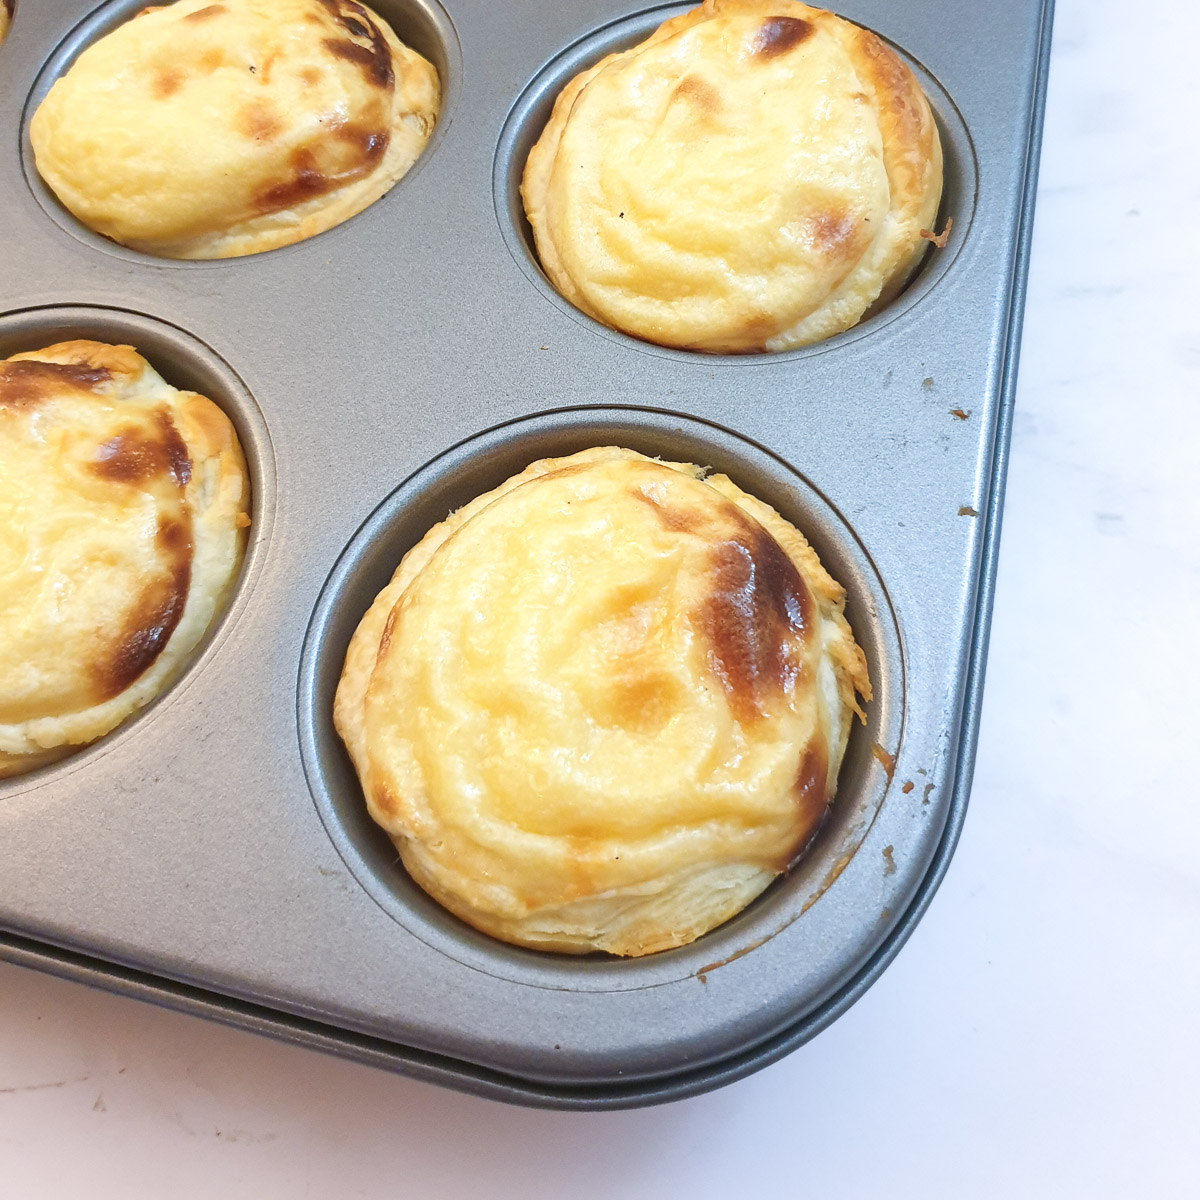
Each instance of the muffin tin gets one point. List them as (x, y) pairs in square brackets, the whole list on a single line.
[(213, 853)]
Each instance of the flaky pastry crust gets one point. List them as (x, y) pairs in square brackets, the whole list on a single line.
[(212, 130), (753, 176), (123, 517), (602, 706)]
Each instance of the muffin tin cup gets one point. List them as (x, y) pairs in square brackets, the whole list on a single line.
[(422, 25), (531, 111), (481, 464), (387, 371), (189, 365)]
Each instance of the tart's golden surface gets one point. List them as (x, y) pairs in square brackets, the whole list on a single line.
[(602, 706), (123, 509), (753, 176), (210, 130)]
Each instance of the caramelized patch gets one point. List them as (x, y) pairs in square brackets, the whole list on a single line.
[(305, 184), (701, 96), (370, 143), (757, 607), (212, 60), (28, 381), (148, 630), (777, 35), (831, 233), (137, 456), (375, 58), (636, 697), (812, 781), (172, 537), (258, 121), (760, 328), (206, 14), (166, 83), (384, 800), (311, 76)]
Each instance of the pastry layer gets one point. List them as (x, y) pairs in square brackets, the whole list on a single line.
[(210, 130), (602, 706)]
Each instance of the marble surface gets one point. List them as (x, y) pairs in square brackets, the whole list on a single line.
[(1038, 1034)]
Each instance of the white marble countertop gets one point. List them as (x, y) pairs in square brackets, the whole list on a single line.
[(1038, 1036)]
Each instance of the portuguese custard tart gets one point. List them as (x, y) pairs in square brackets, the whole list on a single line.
[(210, 130), (602, 706), (123, 517), (756, 175)]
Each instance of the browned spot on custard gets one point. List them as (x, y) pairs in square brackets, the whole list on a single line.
[(29, 382), (258, 121), (212, 60), (206, 14), (311, 76), (375, 59), (701, 97), (370, 143), (675, 519), (136, 455), (831, 233), (886, 760), (166, 83), (173, 537), (812, 781), (148, 629), (757, 330), (306, 183), (778, 35), (385, 801), (757, 607)]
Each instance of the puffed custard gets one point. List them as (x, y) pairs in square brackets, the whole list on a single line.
[(211, 130), (123, 517), (602, 706), (754, 176)]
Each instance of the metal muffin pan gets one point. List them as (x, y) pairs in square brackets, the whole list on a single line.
[(213, 853)]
